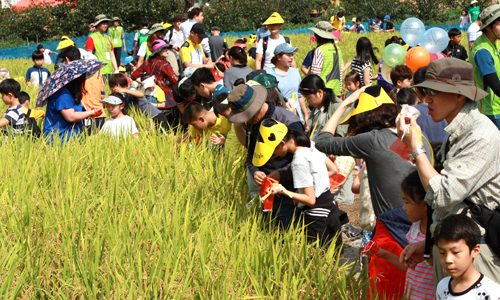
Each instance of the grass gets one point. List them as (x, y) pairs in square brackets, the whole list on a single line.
[(149, 219)]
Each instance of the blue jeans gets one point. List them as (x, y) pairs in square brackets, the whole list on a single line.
[(496, 122)]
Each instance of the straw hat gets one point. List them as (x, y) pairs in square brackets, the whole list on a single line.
[(324, 30), (275, 18)]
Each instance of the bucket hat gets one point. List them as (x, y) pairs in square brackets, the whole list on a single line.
[(156, 28), (101, 18), (157, 46), (452, 75), (366, 103), (245, 101), (271, 137), (275, 18), (323, 29), (115, 19), (489, 15)]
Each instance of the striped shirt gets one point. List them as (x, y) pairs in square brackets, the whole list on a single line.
[(15, 115), (358, 66), (419, 281)]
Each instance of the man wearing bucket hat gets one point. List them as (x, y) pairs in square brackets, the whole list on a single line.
[(248, 104), (101, 46), (486, 63), (470, 157), (327, 62), (265, 48), (117, 35)]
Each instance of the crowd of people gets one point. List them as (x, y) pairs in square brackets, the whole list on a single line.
[(425, 142)]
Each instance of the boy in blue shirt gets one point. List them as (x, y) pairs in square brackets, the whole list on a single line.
[(358, 27), (37, 74)]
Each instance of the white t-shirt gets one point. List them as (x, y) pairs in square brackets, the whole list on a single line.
[(178, 38), (120, 127), (473, 32), (483, 289), (46, 57), (309, 169), (142, 50), (143, 31), (186, 27), (271, 45)]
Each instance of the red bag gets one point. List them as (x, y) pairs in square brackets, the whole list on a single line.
[(265, 193)]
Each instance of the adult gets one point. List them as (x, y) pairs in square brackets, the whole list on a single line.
[(141, 36), (64, 115), (470, 157), (327, 61), (323, 103), (157, 32), (175, 36), (338, 23), (191, 52), (248, 104), (474, 11), (239, 69), (288, 78), (372, 126), (486, 63), (265, 48), (101, 46), (433, 130), (117, 35), (217, 43), (157, 66), (473, 32)]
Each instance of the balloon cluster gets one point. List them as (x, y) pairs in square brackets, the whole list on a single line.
[(432, 42)]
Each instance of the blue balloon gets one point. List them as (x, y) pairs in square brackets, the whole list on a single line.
[(412, 31), (435, 40)]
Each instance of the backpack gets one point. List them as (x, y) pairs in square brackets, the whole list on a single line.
[(31, 128), (142, 37), (264, 48), (170, 34)]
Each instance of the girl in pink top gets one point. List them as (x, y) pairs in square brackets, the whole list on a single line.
[(419, 281)]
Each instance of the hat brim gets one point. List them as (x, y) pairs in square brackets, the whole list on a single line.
[(64, 44), (100, 21), (157, 30), (256, 105), (202, 35), (159, 49), (322, 33), (470, 91)]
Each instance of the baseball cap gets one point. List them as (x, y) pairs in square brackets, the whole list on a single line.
[(199, 29), (215, 28), (177, 18)]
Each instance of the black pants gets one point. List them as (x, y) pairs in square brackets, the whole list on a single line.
[(118, 55), (161, 123)]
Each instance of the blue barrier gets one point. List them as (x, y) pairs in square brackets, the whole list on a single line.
[(26, 51)]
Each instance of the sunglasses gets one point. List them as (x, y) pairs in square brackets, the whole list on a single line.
[(428, 91)]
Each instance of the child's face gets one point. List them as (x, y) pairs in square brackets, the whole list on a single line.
[(404, 84), (39, 62), (352, 86), (413, 210), (151, 88), (358, 22), (199, 124), (42, 49), (220, 73), (7, 98), (456, 39), (114, 109), (464, 13), (202, 89), (281, 150), (456, 257), (26, 104)]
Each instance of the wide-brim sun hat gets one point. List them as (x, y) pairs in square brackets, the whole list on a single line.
[(245, 101), (271, 138), (157, 46), (275, 18), (101, 18), (452, 75), (323, 29), (156, 28), (489, 15), (115, 19)]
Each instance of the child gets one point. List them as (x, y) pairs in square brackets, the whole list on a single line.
[(24, 100), (218, 72), (361, 63), (119, 124), (311, 170), (352, 82), (401, 78), (358, 27), (217, 43), (152, 92), (204, 82), (202, 121), (231, 142), (458, 240), (389, 27), (13, 120), (419, 281), (350, 28), (454, 48), (46, 54), (224, 59), (37, 74), (376, 24), (464, 20)]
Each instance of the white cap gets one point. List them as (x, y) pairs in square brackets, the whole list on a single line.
[(150, 82)]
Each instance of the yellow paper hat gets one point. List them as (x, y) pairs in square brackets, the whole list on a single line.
[(166, 25), (367, 102), (275, 18), (270, 139), (65, 43)]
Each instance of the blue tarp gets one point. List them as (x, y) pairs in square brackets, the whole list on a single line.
[(26, 51)]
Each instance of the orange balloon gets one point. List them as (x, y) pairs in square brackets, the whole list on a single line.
[(417, 58)]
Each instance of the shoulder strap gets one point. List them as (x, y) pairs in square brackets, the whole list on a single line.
[(287, 40), (264, 48), (29, 114), (171, 34)]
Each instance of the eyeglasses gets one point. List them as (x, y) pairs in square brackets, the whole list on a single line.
[(428, 91)]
